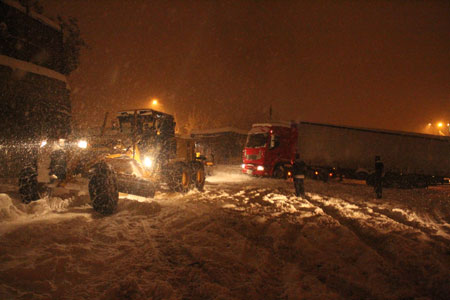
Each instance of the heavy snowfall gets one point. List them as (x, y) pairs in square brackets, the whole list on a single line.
[(242, 238)]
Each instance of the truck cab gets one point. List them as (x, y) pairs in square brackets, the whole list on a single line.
[(269, 149)]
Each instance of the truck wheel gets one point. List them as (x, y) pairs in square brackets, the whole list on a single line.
[(103, 188), (179, 178), (28, 184), (279, 172), (199, 177)]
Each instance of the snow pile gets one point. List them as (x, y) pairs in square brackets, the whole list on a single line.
[(8, 211), (48, 205), (138, 208), (15, 210)]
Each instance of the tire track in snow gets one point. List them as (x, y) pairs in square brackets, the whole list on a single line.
[(210, 236), (278, 206), (398, 217), (411, 258)]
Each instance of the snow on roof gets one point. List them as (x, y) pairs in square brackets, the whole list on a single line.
[(273, 124), (141, 112), (218, 130), (385, 131), (15, 64), (33, 14)]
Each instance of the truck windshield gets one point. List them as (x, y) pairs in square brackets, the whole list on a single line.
[(256, 140)]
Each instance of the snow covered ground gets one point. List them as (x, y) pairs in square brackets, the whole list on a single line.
[(243, 238)]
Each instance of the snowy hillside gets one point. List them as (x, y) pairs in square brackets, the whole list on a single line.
[(243, 238)]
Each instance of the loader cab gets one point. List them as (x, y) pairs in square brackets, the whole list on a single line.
[(146, 122), (152, 131)]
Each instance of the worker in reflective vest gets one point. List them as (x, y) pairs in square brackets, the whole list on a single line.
[(299, 171)]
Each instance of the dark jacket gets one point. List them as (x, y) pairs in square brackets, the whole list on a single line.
[(379, 169), (299, 168)]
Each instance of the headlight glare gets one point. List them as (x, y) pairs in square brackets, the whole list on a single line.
[(82, 144), (148, 162)]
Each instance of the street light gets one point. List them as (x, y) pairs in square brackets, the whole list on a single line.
[(438, 128), (154, 101)]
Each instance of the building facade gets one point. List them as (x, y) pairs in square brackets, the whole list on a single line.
[(34, 93)]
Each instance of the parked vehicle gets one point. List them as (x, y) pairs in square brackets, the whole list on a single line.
[(331, 151)]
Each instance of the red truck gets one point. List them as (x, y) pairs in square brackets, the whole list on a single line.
[(410, 159), (269, 149)]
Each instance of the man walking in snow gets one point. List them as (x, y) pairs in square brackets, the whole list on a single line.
[(299, 176), (379, 170)]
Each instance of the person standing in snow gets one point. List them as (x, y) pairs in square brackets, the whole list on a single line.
[(299, 171), (379, 170)]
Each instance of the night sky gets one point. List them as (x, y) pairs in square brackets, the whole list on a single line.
[(379, 64)]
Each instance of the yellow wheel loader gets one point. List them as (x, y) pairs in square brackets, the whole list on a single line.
[(140, 155)]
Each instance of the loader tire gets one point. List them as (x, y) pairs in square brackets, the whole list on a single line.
[(179, 179), (103, 189), (28, 184), (198, 176)]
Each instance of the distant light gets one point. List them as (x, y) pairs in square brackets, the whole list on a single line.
[(448, 124), (82, 144), (429, 124), (155, 101), (43, 143), (148, 162), (440, 124)]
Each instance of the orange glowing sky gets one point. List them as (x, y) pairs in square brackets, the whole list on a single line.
[(380, 64)]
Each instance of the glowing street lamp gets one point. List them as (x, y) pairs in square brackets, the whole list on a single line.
[(155, 102), (440, 124)]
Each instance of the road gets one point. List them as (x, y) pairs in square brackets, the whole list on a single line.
[(242, 238)]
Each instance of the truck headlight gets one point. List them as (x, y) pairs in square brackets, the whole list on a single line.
[(82, 144), (148, 162), (260, 168), (243, 166), (43, 143)]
